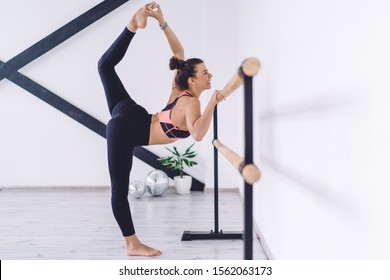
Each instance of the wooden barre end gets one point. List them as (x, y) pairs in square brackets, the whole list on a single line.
[(251, 173), (251, 66)]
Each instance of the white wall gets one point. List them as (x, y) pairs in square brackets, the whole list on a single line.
[(321, 120), (40, 146), (321, 136)]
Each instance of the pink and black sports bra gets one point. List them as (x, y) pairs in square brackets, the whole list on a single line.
[(170, 129)]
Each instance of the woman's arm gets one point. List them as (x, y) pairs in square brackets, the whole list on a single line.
[(177, 50), (173, 41), (198, 124)]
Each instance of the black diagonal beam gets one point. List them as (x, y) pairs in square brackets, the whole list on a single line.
[(57, 102), (59, 36), (9, 70)]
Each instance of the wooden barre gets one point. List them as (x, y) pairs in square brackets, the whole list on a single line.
[(249, 67), (249, 172)]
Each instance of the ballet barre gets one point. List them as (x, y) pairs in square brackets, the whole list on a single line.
[(248, 68), (249, 171)]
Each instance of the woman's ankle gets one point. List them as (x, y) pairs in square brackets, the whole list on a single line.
[(132, 241), (132, 27)]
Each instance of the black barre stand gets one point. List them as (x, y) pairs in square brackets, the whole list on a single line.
[(248, 69), (216, 233)]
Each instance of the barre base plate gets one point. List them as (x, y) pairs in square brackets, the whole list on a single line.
[(202, 235)]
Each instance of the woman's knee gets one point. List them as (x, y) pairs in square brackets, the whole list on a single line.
[(103, 64)]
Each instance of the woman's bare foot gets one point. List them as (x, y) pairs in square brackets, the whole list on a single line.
[(138, 20), (134, 247), (143, 250)]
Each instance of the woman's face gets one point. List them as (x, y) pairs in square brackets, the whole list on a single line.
[(202, 78)]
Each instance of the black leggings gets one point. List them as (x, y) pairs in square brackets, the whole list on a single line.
[(129, 127)]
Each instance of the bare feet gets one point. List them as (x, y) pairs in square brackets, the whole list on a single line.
[(138, 20), (134, 247), (143, 250)]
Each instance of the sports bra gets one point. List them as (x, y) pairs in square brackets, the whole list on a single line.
[(170, 129)]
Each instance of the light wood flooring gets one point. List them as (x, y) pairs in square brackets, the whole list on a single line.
[(77, 224)]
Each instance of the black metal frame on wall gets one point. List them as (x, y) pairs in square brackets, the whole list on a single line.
[(9, 71)]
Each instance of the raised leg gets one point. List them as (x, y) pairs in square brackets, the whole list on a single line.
[(113, 86)]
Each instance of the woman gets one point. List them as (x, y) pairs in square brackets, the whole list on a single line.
[(131, 125)]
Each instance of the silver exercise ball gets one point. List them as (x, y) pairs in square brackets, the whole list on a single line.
[(157, 182), (137, 189)]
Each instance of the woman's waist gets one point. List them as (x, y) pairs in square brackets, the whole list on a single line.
[(157, 135)]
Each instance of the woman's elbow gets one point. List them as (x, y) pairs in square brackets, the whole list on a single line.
[(197, 137), (179, 53)]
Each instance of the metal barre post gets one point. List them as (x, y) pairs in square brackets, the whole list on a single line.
[(248, 189), (249, 172), (248, 68)]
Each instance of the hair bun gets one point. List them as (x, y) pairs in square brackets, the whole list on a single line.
[(176, 63)]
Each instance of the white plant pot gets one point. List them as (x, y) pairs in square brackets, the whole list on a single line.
[(183, 185)]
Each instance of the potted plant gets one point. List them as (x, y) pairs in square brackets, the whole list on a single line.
[(177, 161)]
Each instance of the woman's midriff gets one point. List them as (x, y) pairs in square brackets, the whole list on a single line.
[(157, 135)]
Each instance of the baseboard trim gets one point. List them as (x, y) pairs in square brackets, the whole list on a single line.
[(260, 236), (263, 243), (54, 188)]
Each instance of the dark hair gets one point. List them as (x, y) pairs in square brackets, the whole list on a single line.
[(186, 69)]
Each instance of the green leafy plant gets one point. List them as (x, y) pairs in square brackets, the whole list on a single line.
[(177, 160)]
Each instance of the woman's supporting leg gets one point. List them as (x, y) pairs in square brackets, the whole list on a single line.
[(120, 160)]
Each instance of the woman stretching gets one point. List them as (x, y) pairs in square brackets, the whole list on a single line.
[(131, 125)]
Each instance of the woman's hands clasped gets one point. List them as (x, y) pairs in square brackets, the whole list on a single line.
[(154, 10)]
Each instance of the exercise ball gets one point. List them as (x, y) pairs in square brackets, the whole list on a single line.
[(157, 182), (137, 189)]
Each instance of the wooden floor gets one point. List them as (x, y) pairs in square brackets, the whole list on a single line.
[(77, 224)]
